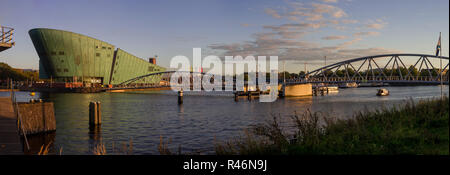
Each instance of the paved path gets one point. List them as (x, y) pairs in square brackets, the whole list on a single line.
[(9, 135)]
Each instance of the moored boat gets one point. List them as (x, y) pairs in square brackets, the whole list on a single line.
[(382, 92)]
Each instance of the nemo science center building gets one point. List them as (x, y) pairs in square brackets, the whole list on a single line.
[(67, 57)]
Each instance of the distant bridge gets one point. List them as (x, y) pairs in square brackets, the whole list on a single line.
[(359, 70), (394, 71)]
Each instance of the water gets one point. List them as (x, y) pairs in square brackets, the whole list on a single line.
[(144, 116)]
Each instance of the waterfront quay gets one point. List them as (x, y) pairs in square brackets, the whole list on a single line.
[(9, 136)]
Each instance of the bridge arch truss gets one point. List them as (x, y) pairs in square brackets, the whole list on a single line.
[(370, 69)]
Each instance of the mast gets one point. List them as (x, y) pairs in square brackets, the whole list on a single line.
[(440, 59)]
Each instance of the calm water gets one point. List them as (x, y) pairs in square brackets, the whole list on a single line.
[(144, 116)]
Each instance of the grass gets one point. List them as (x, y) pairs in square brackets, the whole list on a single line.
[(421, 128), (98, 149)]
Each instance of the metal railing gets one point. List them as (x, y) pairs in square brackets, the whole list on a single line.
[(6, 36)]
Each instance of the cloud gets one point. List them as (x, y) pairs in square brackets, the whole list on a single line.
[(245, 25), (358, 34), (377, 24), (348, 43), (339, 13), (337, 37), (295, 26), (365, 52), (330, 1), (272, 12), (291, 34), (313, 11), (349, 21), (334, 11), (287, 41)]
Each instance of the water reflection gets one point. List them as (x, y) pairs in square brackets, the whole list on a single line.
[(95, 137), (39, 143), (145, 116)]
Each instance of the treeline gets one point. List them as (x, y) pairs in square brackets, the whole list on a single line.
[(7, 72)]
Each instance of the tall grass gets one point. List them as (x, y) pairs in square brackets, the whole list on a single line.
[(421, 128), (98, 149)]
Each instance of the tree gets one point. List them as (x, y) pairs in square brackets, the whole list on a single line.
[(286, 73), (7, 71), (413, 70), (302, 73), (350, 71), (340, 73)]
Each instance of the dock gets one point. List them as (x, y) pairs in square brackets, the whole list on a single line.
[(10, 143)]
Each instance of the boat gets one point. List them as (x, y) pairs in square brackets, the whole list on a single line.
[(328, 89), (382, 92), (333, 89)]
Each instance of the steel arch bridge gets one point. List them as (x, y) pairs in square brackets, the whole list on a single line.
[(164, 73), (394, 71), (362, 70), (130, 81)]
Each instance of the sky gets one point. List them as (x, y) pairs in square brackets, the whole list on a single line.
[(297, 31)]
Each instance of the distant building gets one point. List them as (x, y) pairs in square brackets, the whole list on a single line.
[(70, 57)]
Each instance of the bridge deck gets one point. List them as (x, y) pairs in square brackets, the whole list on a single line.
[(9, 135), (4, 46)]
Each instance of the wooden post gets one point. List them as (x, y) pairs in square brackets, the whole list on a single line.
[(99, 113), (180, 97), (282, 93), (92, 113), (95, 117)]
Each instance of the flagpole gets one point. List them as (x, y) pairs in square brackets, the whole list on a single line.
[(440, 47)]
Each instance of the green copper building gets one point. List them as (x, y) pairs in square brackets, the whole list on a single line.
[(71, 57)]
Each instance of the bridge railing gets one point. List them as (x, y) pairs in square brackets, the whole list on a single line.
[(6, 35)]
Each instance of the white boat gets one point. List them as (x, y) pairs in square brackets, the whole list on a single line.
[(382, 92)]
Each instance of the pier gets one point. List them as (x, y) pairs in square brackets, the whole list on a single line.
[(10, 143)]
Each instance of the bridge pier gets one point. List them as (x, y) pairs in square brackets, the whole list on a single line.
[(297, 90)]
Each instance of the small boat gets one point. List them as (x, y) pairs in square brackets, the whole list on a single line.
[(382, 92), (333, 89)]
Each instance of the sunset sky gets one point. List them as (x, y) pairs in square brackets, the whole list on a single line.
[(298, 31)]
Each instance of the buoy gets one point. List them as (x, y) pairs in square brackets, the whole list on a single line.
[(32, 93)]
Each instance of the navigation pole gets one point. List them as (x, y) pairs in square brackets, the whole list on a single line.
[(442, 71)]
